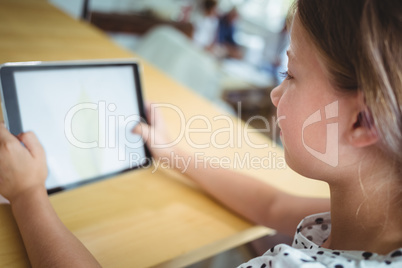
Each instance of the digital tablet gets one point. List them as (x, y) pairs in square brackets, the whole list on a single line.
[(82, 113)]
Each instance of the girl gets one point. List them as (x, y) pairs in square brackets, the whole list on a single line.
[(344, 59)]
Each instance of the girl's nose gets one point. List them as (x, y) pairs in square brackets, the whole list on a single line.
[(276, 95)]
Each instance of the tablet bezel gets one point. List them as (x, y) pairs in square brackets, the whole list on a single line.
[(11, 110)]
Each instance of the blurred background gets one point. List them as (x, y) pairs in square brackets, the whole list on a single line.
[(228, 51)]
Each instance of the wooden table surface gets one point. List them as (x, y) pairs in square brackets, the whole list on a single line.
[(142, 218)]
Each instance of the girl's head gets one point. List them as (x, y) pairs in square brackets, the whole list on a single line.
[(345, 56)]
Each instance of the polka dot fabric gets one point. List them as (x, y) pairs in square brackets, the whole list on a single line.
[(306, 252)]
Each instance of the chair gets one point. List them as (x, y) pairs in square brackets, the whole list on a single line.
[(175, 54)]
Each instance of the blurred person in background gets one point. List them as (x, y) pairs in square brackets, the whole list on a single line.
[(226, 32), (206, 25)]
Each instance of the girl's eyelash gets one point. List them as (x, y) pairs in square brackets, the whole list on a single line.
[(286, 75)]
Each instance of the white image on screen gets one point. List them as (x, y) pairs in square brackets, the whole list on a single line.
[(45, 99)]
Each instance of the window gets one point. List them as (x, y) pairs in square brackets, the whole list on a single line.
[(269, 14)]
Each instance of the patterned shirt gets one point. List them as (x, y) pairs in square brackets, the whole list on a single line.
[(306, 252)]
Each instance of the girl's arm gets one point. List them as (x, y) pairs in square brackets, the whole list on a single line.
[(257, 201), (23, 172), (254, 199)]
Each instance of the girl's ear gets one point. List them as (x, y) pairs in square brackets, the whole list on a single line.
[(363, 132)]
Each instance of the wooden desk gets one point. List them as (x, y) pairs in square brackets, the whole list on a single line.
[(139, 219)]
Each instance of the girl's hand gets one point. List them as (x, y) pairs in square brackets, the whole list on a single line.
[(22, 168), (155, 134)]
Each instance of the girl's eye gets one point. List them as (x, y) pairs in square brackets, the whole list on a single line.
[(286, 75)]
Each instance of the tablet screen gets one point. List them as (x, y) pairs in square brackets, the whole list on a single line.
[(83, 116)]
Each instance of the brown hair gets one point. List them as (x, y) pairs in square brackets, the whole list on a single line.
[(209, 5), (360, 42)]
